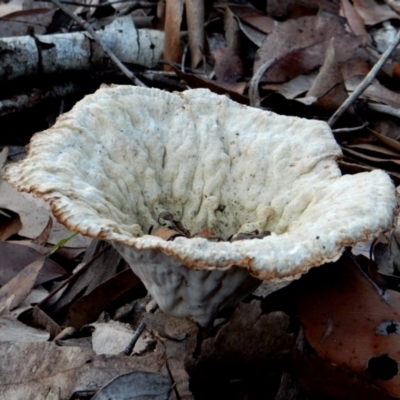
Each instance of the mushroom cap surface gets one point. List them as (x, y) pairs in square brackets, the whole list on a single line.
[(125, 154)]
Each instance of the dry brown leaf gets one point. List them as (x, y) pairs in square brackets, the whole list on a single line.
[(376, 91), (295, 87), (229, 69), (9, 226), (328, 86), (42, 239), (373, 12), (349, 323), (251, 33), (367, 158), (232, 31), (172, 41), (195, 81), (20, 286), (21, 23), (354, 66), (52, 372), (321, 379), (300, 46), (165, 233), (88, 307), (354, 20), (34, 214), (41, 319), (195, 21), (249, 338), (179, 338), (101, 270), (394, 144), (13, 330), (15, 257), (381, 151)]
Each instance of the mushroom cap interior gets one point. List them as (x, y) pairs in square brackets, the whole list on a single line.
[(124, 154)]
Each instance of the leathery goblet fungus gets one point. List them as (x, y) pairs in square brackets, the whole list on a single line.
[(125, 156)]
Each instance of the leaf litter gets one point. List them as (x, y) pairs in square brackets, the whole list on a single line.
[(323, 50)]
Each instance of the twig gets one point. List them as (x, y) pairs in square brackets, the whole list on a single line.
[(68, 280), (97, 39), (355, 128), (128, 349), (365, 82), (254, 94), (385, 109), (142, 4)]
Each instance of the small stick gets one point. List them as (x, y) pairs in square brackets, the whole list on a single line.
[(96, 38), (384, 109), (128, 349), (365, 82), (254, 94), (355, 128)]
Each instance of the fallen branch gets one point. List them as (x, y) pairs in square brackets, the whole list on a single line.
[(84, 24), (365, 82), (77, 51)]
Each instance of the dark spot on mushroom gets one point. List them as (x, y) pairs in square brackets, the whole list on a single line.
[(221, 208), (382, 367), (317, 237)]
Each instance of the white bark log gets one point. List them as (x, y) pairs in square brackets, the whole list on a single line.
[(26, 55)]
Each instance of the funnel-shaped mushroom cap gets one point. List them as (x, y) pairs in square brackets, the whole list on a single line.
[(125, 154)]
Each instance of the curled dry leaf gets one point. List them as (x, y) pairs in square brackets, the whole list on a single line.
[(21, 285), (300, 46), (328, 86), (355, 21)]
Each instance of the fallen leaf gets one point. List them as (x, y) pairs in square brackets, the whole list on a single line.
[(295, 87), (300, 46), (14, 258), (102, 269), (167, 234), (88, 307), (34, 214), (195, 81), (12, 330), (328, 86), (42, 239), (355, 21), (349, 323), (375, 91), (249, 338), (54, 372), (20, 286), (136, 385), (24, 22), (9, 225), (374, 13), (321, 379)]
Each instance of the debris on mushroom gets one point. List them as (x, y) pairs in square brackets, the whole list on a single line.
[(127, 159)]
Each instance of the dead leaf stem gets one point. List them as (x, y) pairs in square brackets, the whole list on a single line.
[(254, 94)]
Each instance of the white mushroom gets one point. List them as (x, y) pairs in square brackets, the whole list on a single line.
[(125, 154)]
